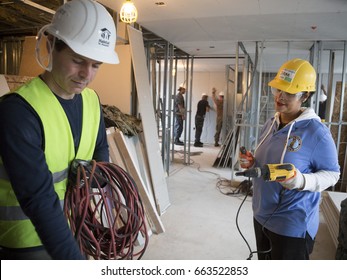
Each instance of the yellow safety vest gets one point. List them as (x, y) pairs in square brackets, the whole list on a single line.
[(16, 229)]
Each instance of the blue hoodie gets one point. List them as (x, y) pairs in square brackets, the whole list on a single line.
[(306, 143)]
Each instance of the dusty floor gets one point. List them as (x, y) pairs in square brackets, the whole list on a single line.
[(204, 224)]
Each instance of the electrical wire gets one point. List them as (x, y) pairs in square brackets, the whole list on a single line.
[(251, 253), (242, 188), (239, 230), (105, 211)]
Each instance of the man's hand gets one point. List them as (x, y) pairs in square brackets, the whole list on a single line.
[(214, 91), (295, 182), (246, 160)]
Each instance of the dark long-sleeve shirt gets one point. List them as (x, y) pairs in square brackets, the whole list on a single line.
[(22, 152)]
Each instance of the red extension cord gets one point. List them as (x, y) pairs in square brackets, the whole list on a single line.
[(105, 212)]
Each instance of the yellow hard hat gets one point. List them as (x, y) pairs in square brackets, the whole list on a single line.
[(295, 76)]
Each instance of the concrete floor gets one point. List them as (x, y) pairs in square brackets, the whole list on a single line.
[(201, 222)]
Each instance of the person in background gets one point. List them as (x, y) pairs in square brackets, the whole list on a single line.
[(45, 125), (322, 103), (219, 102), (286, 213), (180, 114), (202, 107)]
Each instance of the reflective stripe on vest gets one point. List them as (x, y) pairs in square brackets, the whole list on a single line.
[(57, 176), (13, 213), (16, 230)]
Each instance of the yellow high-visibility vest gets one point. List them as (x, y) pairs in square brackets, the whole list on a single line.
[(16, 229)]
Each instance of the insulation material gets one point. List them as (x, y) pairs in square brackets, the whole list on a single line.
[(128, 124)]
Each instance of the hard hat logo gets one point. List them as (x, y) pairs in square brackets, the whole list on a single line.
[(287, 75), (105, 37), (106, 34)]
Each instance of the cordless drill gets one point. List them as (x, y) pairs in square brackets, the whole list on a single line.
[(269, 172)]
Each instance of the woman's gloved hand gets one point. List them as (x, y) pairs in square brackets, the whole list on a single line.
[(246, 159), (295, 182)]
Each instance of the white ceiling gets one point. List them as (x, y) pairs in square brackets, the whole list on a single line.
[(213, 27)]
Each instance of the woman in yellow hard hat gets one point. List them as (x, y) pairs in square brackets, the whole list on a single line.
[(286, 213)]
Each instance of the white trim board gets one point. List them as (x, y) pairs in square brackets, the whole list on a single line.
[(118, 142)]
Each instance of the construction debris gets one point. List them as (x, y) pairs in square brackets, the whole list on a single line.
[(128, 124)]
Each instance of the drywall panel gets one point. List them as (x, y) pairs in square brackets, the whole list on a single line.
[(203, 82), (148, 119), (331, 207)]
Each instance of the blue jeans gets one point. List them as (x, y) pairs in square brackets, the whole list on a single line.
[(178, 127)]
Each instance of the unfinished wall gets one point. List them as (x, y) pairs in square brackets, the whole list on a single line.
[(204, 82)]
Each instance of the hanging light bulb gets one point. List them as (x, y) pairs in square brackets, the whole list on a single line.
[(128, 12)]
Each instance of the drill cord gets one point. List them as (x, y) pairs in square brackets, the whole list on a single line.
[(263, 226)]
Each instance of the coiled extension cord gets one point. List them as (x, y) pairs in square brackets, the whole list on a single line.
[(105, 212)]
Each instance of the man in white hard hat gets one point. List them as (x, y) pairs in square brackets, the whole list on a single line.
[(202, 107), (219, 102), (47, 123)]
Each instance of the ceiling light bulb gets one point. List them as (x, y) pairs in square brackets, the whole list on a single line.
[(128, 12)]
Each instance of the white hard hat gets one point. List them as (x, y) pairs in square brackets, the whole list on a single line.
[(221, 93), (322, 97), (204, 94), (183, 85), (87, 28)]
